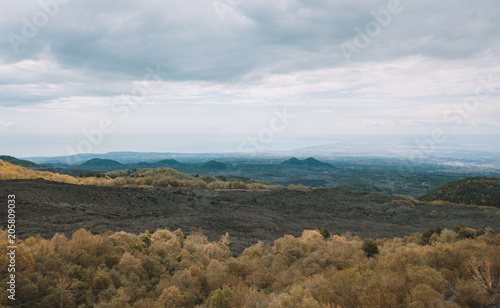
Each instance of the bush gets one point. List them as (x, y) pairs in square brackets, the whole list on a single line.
[(325, 233), (464, 232), (427, 234), (471, 295), (424, 296), (222, 298), (369, 247)]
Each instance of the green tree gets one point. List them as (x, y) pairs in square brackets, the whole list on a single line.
[(370, 247), (325, 233)]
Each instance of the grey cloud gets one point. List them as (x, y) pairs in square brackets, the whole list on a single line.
[(117, 39)]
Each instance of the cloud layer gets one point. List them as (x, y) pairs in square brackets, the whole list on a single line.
[(220, 67)]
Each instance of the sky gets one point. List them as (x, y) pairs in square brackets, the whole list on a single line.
[(241, 75)]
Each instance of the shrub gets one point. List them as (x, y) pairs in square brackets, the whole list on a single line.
[(470, 295), (426, 275), (480, 232), (171, 297), (369, 247), (222, 298), (145, 238), (325, 233), (464, 232), (101, 280), (424, 296), (447, 235), (427, 234)]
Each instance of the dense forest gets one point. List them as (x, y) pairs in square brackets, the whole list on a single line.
[(475, 190), (436, 268), (159, 177)]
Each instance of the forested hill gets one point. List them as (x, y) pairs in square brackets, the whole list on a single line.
[(475, 190), (19, 162)]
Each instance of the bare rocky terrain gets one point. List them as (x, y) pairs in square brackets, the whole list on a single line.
[(47, 208)]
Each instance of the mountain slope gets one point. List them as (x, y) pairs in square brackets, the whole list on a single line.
[(308, 162), (165, 163), (102, 165), (475, 190), (19, 162), (213, 165), (10, 171)]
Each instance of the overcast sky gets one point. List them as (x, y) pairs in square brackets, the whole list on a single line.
[(202, 75)]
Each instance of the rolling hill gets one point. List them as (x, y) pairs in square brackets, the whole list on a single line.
[(19, 162), (102, 165), (213, 165), (474, 190), (308, 162), (158, 177)]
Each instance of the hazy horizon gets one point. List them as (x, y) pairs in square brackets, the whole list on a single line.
[(357, 144)]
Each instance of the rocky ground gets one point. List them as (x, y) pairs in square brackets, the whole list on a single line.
[(47, 208)]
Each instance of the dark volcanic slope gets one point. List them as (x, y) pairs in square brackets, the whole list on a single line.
[(47, 207)]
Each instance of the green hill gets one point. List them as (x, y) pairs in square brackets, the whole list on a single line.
[(102, 165), (213, 165), (308, 162), (475, 190), (165, 163), (19, 162), (168, 162)]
